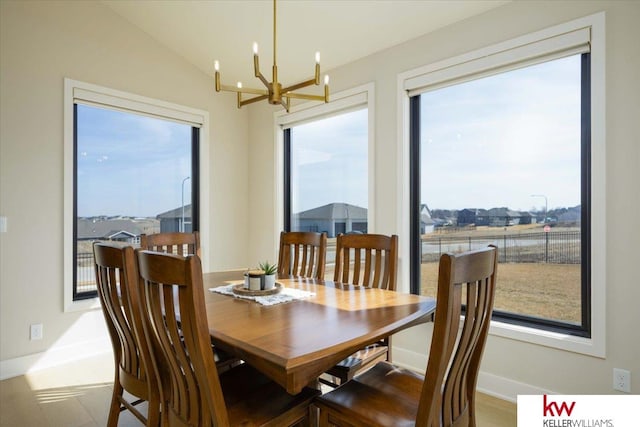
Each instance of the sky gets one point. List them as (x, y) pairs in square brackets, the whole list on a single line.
[(497, 141), (330, 161), (131, 165), (510, 140)]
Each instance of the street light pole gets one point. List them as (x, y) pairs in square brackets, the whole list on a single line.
[(182, 222), (545, 205)]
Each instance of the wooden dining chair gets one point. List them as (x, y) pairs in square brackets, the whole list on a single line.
[(302, 254), (172, 243), (193, 394), (387, 395), (184, 244), (117, 282), (367, 260)]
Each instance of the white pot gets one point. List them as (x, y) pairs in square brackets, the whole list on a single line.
[(255, 280), (269, 281)]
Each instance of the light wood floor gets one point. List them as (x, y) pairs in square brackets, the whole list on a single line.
[(78, 395)]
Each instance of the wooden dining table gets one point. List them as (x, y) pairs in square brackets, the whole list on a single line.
[(293, 343)]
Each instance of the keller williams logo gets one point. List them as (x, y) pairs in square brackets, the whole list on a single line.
[(552, 409)]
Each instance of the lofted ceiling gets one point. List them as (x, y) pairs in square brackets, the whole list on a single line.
[(341, 30)]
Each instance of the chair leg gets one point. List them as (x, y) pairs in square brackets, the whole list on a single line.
[(114, 408), (323, 419), (153, 413), (313, 416)]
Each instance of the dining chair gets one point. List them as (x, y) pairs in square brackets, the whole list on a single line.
[(179, 243), (302, 254), (173, 243), (193, 394), (117, 282), (380, 256), (387, 395)]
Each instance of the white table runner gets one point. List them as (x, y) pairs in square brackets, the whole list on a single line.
[(285, 295)]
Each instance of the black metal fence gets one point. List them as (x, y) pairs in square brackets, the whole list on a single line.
[(554, 247), (85, 273)]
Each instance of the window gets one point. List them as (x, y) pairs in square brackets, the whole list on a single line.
[(504, 149), (325, 165), (493, 153), (133, 176), (327, 174), (135, 171)]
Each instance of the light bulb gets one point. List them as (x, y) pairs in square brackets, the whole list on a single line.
[(255, 48), (239, 85), (216, 65), (326, 79), (317, 57)]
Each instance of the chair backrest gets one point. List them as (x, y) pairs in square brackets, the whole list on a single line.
[(448, 393), (302, 254), (380, 255), (117, 282), (172, 243), (176, 325)]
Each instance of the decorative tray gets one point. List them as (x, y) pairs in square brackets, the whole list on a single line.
[(240, 290)]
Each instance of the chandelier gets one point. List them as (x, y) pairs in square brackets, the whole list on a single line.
[(274, 93)]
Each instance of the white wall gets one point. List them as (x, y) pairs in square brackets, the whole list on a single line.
[(41, 44), (509, 366)]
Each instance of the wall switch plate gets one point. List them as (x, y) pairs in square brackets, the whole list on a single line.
[(36, 331), (622, 380)]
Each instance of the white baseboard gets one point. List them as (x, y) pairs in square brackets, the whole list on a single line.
[(493, 385), (53, 357), (505, 388)]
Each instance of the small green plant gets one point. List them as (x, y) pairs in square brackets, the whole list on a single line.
[(268, 268)]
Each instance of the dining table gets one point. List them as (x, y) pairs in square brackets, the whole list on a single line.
[(294, 342)]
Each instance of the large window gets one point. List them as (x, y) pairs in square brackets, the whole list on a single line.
[(501, 162), (325, 164), (327, 175), (131, 167), (505, 147), (134, 175)]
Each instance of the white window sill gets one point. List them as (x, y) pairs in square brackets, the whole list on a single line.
[(587, 346)]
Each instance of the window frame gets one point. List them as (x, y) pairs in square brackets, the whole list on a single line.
[(77, 92), (584, 328), (508, 55), (341, 102)]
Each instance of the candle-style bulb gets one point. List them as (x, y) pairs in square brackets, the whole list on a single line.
[(317, 57), (216, 65), (239, 85), (255, 48), (326, 79)]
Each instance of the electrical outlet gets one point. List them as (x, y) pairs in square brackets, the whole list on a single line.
[(622, 380), (36, 331)]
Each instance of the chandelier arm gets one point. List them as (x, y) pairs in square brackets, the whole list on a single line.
[(306, 96), (286, 104), (262, 79), (299, 85), (227, 88), (254, 99)]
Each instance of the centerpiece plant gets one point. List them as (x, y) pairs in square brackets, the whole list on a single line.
[(269, 274)]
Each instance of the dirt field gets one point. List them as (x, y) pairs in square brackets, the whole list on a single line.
[(544, 290)]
